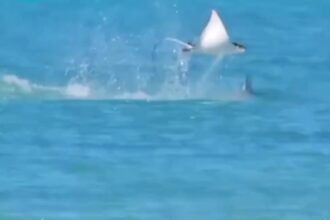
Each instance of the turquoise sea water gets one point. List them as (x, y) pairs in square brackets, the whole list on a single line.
[(91, 128)]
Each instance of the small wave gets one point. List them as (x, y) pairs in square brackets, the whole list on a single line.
[(12, 86)]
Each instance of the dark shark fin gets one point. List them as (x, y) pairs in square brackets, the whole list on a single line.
[(247, 86)]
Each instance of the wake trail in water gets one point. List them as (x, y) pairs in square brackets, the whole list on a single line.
[(14, 87)]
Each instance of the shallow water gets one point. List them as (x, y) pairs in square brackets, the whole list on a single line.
[(91, 129)]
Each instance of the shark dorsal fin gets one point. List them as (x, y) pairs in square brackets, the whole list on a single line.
[(214, 33)]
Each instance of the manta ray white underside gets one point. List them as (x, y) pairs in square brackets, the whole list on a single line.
[(214, 35), (214, 40)]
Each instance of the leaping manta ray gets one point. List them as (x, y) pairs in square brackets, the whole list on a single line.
[(214, 40)]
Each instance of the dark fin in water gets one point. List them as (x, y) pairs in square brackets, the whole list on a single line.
[(247, 86)]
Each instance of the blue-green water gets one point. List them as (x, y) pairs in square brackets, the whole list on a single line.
[(90, 129)]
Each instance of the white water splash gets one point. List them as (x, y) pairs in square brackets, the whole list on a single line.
[(77, 91), (12, 86), (17, 82), (16, 86)]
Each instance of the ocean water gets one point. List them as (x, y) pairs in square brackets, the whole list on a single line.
[(91, 127)]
